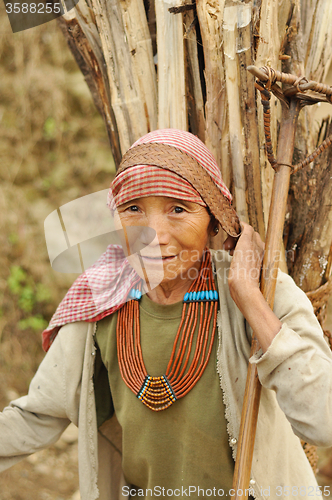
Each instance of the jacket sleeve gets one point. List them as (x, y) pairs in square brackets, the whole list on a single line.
[(298, 366), (37, 420)]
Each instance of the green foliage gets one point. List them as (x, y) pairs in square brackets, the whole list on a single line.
[(37, 323), (26, 300), (43, 294), (29, 295), (50, 128), (16, 278), (13, 238)]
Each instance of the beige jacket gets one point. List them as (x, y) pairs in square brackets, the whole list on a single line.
[(296, 374)]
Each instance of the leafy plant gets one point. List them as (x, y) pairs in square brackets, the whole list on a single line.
[(29, 295)]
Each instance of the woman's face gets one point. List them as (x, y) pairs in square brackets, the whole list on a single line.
[(181, 229)]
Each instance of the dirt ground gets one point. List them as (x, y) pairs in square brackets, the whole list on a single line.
[(47, 475)]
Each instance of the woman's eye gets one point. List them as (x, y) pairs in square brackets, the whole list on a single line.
[(133, 208)]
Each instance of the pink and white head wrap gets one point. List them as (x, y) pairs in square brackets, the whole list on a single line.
[(148, 180), (112, 272)]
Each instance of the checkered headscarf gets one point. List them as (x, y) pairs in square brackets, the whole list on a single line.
[(112, 274)]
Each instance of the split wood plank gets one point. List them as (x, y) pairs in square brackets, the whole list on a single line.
[(194, 92), (268, 55), (78, 27), (245, 58), (236, 16), (126, 61), (172, 106), (210, 16), (140, 47), (318, 55)]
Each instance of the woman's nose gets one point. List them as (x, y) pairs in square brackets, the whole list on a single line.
[(156, 227)]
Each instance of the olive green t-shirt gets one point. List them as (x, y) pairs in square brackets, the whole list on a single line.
[(185, 445)]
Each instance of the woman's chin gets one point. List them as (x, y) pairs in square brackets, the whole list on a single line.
[(150, 270)]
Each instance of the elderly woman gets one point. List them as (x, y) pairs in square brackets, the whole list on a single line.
[(154, 374)]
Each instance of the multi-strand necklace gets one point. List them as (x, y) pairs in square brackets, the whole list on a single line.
[(200, 303)]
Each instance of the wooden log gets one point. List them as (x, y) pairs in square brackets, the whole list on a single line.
[(140, 47), (236, 17), (127, 48), (245, 56), (83, 39), (311, 235), (307, 14), (318, 55), (195, 102), (172, 106), (319, 298), (268, 55), (210, 16)]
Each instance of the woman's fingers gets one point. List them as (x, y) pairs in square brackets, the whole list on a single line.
[(249, 241), (246, 263)]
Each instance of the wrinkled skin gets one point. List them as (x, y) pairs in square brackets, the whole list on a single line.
[(182, 231)]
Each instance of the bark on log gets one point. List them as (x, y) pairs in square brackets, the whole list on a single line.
[(195, 100), (310, 238), (246, 57), (318, 44), (83, 39), (126, 43), (210, 17)]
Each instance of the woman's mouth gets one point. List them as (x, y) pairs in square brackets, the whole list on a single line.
[(159, 258)]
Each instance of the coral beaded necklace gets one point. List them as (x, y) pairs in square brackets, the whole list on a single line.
[(158, 393)]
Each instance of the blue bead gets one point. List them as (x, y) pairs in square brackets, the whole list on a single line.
[(198, 296), (137, 294), (132, 292), (211, 294), (202, 295), (215, 293), (191, 296), (194, 295), (185, 298)]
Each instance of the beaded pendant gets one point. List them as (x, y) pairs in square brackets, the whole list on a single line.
[(158, 393)]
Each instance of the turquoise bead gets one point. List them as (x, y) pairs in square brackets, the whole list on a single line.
[(202, 295), (194, 295), (137, 294), (191, 296), (185, 298), (211, 294), (198, 296), (215, 293)]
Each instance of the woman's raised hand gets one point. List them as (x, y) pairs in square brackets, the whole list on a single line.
[(243, 282), (246, 264)]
